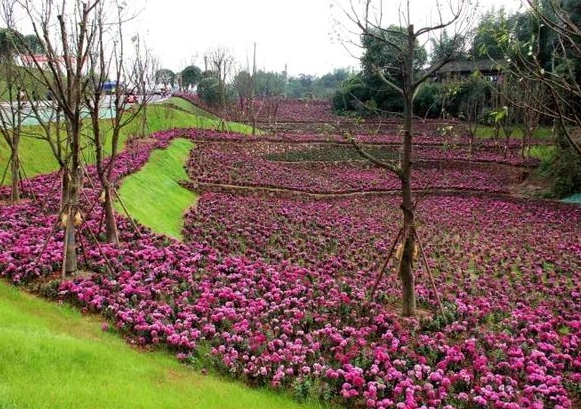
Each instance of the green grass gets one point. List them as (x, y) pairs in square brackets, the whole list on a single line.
[(36, 157), (191, 108), (541, 133), (207, 120), (53, 357), (153, 195), (544, 153)]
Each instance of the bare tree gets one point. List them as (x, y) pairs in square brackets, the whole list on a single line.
[(11, 107), (557, 71), (369, 21), (68, 33), (108, 62), (528, 107), (221, 62)]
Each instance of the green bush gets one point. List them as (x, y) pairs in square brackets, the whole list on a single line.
[(566, 171), (428, 101), (210, 92)]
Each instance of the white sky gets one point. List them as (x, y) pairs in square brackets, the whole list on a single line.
[(298, 32)]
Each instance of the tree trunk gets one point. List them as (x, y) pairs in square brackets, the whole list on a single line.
[(15, 173), (72, 208), (65, 180), (144, 123), (15, 158), (111, 234), (406, 272)]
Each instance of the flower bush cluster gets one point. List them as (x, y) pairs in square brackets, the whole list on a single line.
[(277, 289)]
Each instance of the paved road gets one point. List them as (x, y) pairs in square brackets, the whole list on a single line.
[(46, 110)]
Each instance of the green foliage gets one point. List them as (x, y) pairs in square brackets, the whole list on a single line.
[(210, 91), (565, 169), (384, 49), (191, 75), (308, 86), (165, 77), (269, 84), (10, 41), (448, 48), (33, 44), (441, 319), (243, 84), (352, 95), (372, 91), (491, 35), (428, 101)]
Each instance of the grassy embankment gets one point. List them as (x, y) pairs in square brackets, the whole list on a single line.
[(53, 357), (36, 157), (153, 195)]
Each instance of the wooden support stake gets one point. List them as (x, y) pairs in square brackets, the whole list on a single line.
[(65, 246), (48, 239), (382, 271), (127, 212), (51, 191), (110, 269), (24, 177), (6, 170), (428, 269)]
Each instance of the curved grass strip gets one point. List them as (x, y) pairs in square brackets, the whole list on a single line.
[(153, 195), (53, 357)]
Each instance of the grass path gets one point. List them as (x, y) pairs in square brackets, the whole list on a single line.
[(53, 357), (153, 195)]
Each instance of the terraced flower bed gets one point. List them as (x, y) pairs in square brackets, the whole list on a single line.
[(346, 152), (247, 164), (275, 290)]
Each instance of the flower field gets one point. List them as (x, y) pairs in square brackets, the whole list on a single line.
[(247, 164), (272, 285)]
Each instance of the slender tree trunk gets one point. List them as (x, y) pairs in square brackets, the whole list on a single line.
[(15, 156), (15, 173), (406, 265), (65, 180), (74, 187), (144, 124), (111, 233), (71, 210)]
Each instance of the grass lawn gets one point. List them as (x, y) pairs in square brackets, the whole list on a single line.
[(542, 133), (53, 357), (188, 106), (36, 156), (153, 195)]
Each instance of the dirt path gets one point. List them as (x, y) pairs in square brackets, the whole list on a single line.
[(356, 193)]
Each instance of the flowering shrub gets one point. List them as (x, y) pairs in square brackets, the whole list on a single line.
[(277, 289)]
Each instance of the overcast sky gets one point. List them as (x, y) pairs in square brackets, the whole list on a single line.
[(298, 33)]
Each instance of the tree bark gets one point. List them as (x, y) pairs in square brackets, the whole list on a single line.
[(15, 173), (111, 233), (74, 185), (406, 272)]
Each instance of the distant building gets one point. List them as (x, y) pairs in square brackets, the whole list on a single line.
[(34, 60), (459, 69), (31, 60)]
